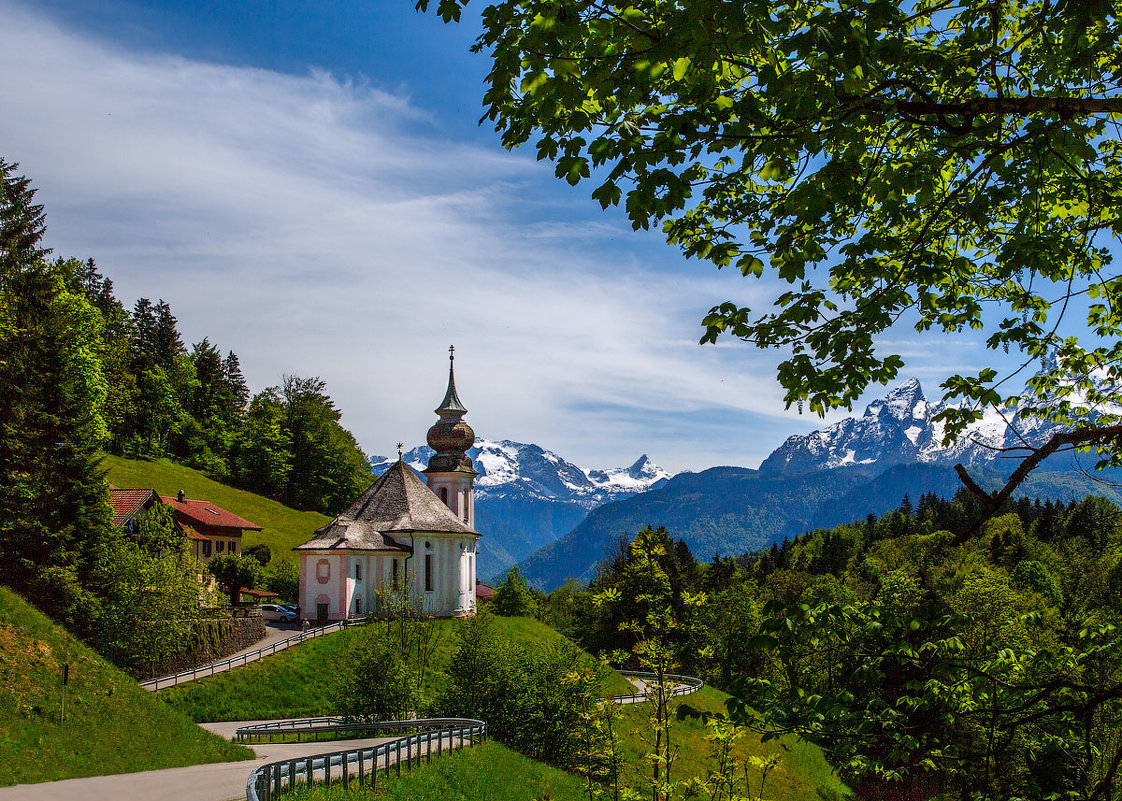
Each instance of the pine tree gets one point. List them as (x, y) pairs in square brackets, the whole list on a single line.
[(54, 512)]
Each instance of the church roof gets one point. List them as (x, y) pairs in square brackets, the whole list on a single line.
[(399, 502)]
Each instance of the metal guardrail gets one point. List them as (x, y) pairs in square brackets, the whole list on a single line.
[(684, 685), (241, 660), (363, 764)]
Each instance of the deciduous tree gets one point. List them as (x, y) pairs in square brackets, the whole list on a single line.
[(943, 165)]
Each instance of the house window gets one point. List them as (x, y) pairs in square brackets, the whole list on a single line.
[(358, 571), (396, 574), (429, 587), (206, 548), (233, 546), (219, 545)]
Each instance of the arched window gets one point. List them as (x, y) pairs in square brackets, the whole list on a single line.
[(358, 571), (444, 495)]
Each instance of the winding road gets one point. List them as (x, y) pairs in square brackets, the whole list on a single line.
[(221, 781)]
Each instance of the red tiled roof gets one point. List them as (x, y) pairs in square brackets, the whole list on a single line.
[(126, 503), (483, 593), (259, 593), (208, 514)]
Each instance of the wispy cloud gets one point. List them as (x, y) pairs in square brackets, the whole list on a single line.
[(322, 226)]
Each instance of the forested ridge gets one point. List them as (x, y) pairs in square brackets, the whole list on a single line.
[(80, 375)]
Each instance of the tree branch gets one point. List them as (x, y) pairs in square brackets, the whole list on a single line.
[(1080, 436)]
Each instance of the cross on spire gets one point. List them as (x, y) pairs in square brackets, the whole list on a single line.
[(451, 353), (400, 446)]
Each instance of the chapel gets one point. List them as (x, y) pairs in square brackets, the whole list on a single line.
[(406, 532)]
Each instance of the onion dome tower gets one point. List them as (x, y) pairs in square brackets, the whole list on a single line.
[(450, 473)]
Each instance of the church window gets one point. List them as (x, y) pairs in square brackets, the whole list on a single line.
[(323, 571), (429, 584), (358, 571), (444, 495), (396, 573), (358, 606)]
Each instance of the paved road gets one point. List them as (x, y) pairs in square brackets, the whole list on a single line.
[(221, 781)]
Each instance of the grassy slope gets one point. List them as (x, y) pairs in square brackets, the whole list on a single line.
[(488, 772), (492, 772), (284, 528), (112, 726), (298, 682), (801, 773)]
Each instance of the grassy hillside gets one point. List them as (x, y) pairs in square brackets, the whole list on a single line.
[(284, 528), (802, 772), (298, 682), (488, 772), (112, 726)]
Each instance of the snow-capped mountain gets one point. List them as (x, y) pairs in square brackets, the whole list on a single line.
[(899, 429), (519, 469), (527, 497)]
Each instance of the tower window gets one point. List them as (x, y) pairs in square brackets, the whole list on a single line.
[(358, 571), (429, 584), (396, 573), (444, 495)]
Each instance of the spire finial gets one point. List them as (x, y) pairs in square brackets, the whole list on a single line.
[(451, 353), (400, 445)]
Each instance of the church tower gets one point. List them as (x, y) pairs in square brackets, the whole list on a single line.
[(450, 473)]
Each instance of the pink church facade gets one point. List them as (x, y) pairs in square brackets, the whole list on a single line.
[(406, 532)]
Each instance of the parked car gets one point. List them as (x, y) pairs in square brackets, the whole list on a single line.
[(278, 613)]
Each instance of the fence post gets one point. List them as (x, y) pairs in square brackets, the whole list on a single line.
[(346, 773), (292, 774), (397, 754)]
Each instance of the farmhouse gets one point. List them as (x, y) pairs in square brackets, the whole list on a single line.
[(210, 528), (405, 533)]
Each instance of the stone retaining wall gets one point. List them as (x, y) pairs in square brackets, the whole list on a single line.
[(214, 639)]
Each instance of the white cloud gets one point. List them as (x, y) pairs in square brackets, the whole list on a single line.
[(319, 226)]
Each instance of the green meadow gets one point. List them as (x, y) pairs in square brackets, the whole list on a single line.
[(111, 725)]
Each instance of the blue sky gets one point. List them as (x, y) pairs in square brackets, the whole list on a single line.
[(306, 184)]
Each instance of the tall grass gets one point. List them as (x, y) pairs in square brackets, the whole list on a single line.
[(111, 726)]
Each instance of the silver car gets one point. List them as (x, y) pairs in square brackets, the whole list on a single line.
[(277, 613)]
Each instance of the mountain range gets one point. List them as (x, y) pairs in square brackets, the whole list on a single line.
[(526, 497), (841, 473)]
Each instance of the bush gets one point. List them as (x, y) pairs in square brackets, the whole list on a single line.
[(374, 682), (532, 699)]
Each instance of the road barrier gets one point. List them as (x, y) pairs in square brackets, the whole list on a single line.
[(430, 735)]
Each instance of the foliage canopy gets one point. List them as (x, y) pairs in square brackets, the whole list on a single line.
[(951, 165)]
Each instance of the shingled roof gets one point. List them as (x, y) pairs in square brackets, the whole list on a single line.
[(206, 513), (400, 502)]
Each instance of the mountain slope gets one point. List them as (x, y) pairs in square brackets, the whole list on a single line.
[(842, 473), (900, 428), (527, 497), (112, 726)]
